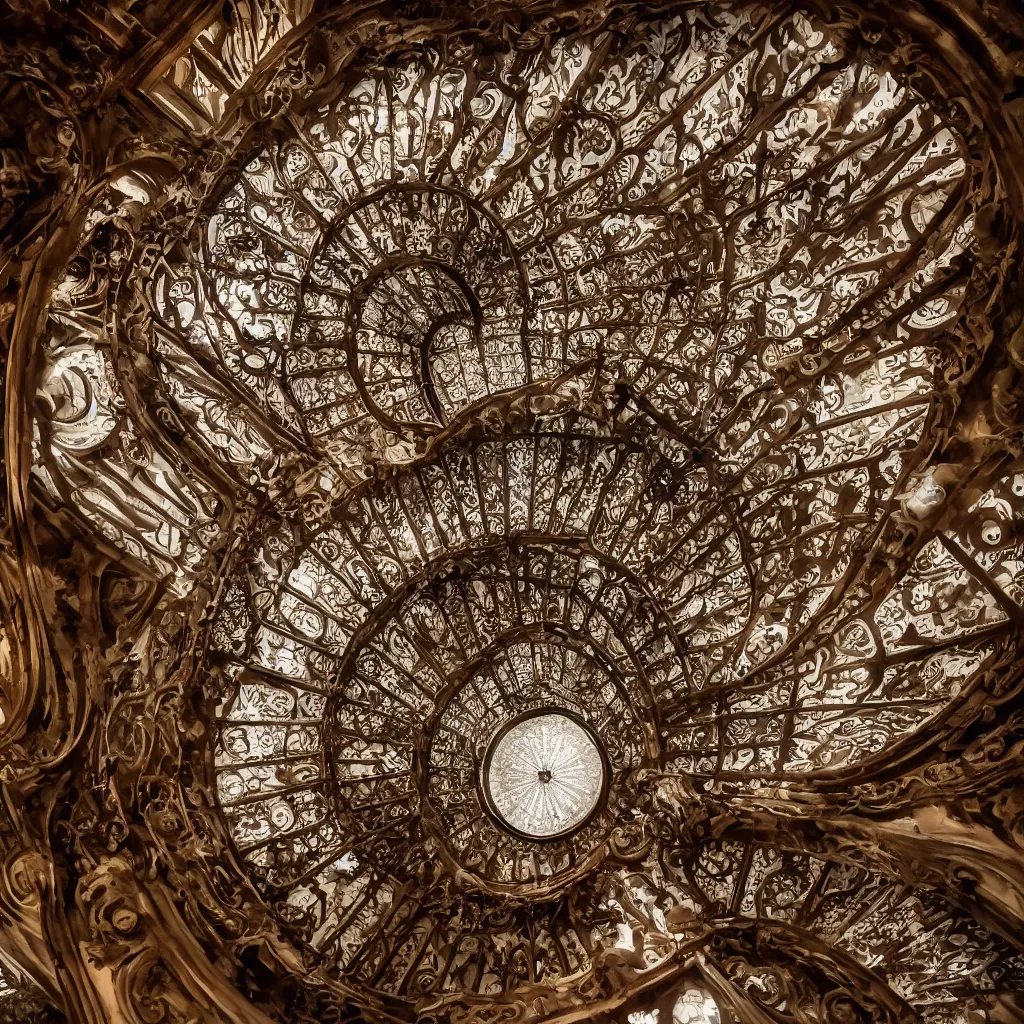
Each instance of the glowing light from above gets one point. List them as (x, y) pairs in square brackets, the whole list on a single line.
[(545, 775)]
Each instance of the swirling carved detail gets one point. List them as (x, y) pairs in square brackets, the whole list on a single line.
[(404, 272)]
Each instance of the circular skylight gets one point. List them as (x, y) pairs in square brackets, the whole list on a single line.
[(544, 775)]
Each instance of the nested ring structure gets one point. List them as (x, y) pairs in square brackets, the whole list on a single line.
[(678, 310)]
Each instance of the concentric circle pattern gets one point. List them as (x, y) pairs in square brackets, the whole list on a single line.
[(607, 368), (544, 775), (433, 315)]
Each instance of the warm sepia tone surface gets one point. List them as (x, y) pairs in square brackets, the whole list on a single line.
[(515, 513), (544, 775)]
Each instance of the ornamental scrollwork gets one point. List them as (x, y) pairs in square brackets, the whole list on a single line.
[(515, 515)]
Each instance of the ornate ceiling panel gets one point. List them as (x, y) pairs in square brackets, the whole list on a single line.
[(546, 502)]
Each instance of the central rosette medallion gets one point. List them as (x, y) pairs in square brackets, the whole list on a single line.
[(543, 775)]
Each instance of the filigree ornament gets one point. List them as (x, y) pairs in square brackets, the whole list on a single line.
[(77, 387), (562, 402), (688, 565)]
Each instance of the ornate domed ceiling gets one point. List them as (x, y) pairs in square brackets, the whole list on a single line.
[(548, 489)]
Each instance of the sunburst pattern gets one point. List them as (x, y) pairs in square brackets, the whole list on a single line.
[(544, 775)]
